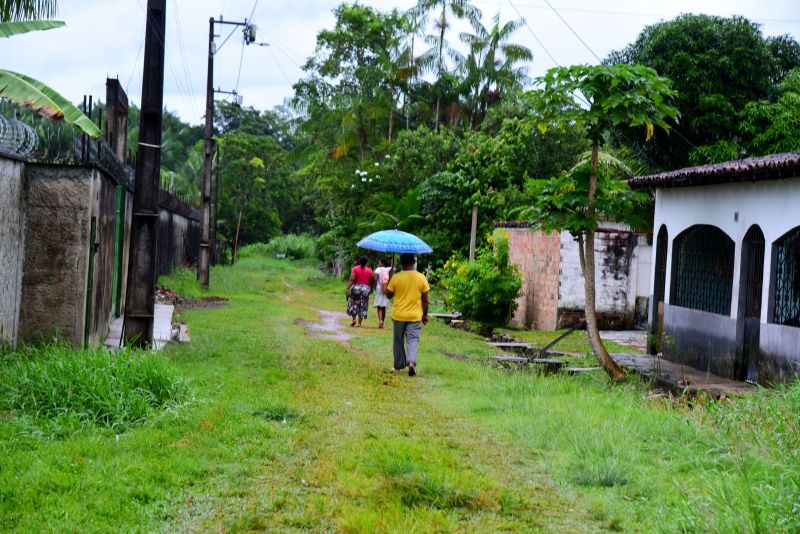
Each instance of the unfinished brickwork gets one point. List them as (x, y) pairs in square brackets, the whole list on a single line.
[(546, 268), (520, 253)]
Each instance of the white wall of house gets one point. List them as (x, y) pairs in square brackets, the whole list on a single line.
[(616, 288), (774, 205)]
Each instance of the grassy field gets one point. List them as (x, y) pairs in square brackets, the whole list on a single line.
[(276, 430)]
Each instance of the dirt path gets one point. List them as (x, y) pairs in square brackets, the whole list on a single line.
[(328, 328)]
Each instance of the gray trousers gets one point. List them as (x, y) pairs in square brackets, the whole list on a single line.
[(406, 343)]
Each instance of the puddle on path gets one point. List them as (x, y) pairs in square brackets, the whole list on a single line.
[(328, 327)]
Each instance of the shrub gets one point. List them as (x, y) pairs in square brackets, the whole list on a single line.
[(117, 390), (296, 247), (486, 289)]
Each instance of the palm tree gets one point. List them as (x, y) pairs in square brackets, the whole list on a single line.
[(490, 68), (461, 9), (16, 17), (13, 10)]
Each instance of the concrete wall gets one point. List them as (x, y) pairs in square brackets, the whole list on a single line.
[(58, 216), (622, 259), (12, 246), (103, 209), (734, 208), (694, 336), (178, 234)]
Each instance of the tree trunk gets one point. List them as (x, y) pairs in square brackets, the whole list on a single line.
[(441, 68), (236, 239), (600, 352)]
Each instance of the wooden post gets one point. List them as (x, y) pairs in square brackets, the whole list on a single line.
[(473, 234), (140, 296)]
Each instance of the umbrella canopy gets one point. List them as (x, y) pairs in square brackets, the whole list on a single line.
[(394, 241)]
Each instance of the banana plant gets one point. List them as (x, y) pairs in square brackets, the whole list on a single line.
[(26, 91)]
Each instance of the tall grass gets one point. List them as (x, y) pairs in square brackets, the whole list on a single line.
[(76, 387), (293, 246), (183, 282)]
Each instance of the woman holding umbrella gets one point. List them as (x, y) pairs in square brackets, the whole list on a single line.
[(359, 286)]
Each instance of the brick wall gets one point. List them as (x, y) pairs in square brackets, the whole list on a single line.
[(520, 253), (546, 265), (12, 233)]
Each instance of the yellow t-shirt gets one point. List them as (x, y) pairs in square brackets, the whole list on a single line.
[(408, 287)]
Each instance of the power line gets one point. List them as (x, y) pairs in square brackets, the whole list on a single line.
[(239, 74), (250, 18), (285, 77), (546, 51), (573, 31), (136, 61), (186, 74)]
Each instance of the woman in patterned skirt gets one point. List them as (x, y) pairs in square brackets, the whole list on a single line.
[(359, 286)]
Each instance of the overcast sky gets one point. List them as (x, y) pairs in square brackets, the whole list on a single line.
[(105, 38)]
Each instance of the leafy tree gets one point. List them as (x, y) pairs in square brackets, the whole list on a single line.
[(632, 95), (231, 118), (718, 65), (771, 127), (489, 70), (460, 9), (252, 174)]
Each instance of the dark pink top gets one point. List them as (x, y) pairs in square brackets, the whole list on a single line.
[(362, 275)]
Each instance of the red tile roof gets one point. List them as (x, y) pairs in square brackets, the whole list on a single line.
[(772, 167)]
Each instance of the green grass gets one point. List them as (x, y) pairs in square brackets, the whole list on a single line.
[(575, 342), (287, 432), (59, 389)]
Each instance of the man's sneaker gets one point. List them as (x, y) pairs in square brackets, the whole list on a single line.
[(412, 370)]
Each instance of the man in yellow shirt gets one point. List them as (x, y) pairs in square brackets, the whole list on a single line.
[(409, 313)]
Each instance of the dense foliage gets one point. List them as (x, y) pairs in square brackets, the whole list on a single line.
[(399, 123), (296, 247), (485, 289), (718, 66)]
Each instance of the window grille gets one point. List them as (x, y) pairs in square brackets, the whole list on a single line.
[(787, 279), (703, 270)]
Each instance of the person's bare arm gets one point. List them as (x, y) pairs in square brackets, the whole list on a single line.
[(350, 283), (424, 308)]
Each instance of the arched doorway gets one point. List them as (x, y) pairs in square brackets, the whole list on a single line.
[(659, 288), (751, 281)]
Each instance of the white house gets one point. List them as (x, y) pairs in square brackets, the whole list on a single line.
[(726, 267)]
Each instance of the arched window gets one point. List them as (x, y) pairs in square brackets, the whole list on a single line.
[(786, 279), (702, 269)]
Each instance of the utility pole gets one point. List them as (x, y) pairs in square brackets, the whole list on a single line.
[(140, 296), (205, 211), (473, 234)]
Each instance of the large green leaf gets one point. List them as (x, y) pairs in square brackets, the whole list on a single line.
[(7, 29), (37, 96)]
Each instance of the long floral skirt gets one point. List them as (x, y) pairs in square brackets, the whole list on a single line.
[(358, 304)]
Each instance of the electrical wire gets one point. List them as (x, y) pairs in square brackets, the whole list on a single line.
[(285, 77), (186, 74), (239, 74), (546, 51)]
